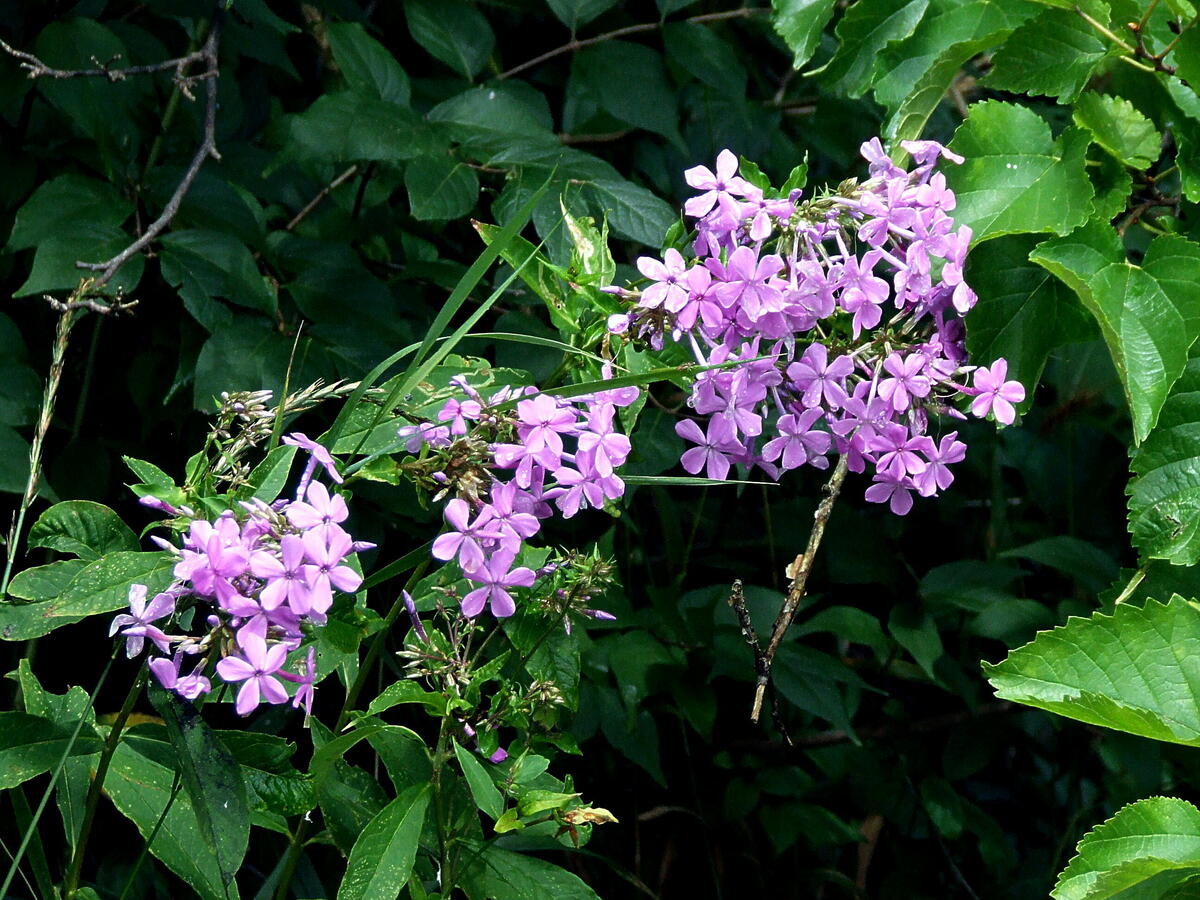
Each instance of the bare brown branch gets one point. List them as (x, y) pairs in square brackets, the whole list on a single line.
[(35, 68)]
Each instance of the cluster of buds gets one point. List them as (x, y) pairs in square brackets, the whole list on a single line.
[(834, 325), (265, 574)]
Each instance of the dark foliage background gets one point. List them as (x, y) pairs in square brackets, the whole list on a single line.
[(357, 141)]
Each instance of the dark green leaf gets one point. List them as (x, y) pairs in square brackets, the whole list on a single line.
[(498, 874), (60, 204), (706, 56), (799, 23), (382, 858), (366, 64), (31, 745), (452, 31), (574, 13), (103, 586), (440, 188), (1054, 54), (867, 28), (487, 797), (212, 779), (1119, 128), (356, 126), (86, 529), (917, 633), (594, 72), (203, 265)]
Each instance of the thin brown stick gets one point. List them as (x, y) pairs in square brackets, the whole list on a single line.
[(35, 68), (207, 148), (325, 192), (572, 45), (802, 569)]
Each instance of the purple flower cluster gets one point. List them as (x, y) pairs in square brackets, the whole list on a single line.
[(836, 323), (265, 573), (560, 452)]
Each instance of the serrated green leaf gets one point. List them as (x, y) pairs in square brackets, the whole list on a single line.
[(212, 779), (452, 31), (1131, 671), (1151, 845), (1119, 128), (103, 586), (203, 265), (1023, 312), (1053, 55), (382, 858), (504, 875), (483, 789), (86, 529), (866, 29), (366, 64), (31, 745), (800, 23), (1016, 178), (60, 204), (440, 188), (1149, 315)]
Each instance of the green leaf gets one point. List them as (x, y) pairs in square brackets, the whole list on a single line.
[(31, 745), (591, 260), (917, 633), (1119, 128), (103, 586), (1131, 671), (204, 264), (800, 23), (632, 211), (706, 56), (866, 29), (382, 858), (357, 126), (366, 64), (1016, 178), (14, 461), (1164, 495), (574, 13), (141, 790), (39, 585), (1053, 55), (86, 529), (1186, 57), (54, 263), (483, 790), (1023, 312), (266, 765), (543, 277), (1144, 850), (453, 32), (596, 70), (59, 204), (400, 692), (1149, 315), (440, 188), (212, 779), (499, 118), (499, 874)]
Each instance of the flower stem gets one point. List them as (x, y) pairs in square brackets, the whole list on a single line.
[(95, 789)]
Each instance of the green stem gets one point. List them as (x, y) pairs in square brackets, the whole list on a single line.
[(95, 789), (37, 855), (1137, 579), (295, 846), (162, 817)]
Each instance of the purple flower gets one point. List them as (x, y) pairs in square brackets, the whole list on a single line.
[(514, 525), (906, 382), (166, 672), (604, 447), (816, 378), (713, 453), (256, 667), (995, 394), (898, 451), (325, 573), (542, 422), (457, 413), (669, 275), (893, 490), (936, 475), (747, 283), (136, 624), (318, 455), (322, 509), (799, 442), (718, 187), (495, 579), (306, 681), (466, 539), (285, 573)]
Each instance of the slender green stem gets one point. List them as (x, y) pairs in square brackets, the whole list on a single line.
[(1137, 579), (95, 789), (1171, 46), (37, 855), (1124, 45), (12, 859), (41, 807), (295, 847)]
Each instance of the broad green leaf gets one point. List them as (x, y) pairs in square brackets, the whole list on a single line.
[(1016, 177), (1131, 671), (632, 211), (22, 393), (1143, 851), (1087, 564), (86, 240), (483, 790), (706, 56), (452, 31), (500, 874), (352, 125), (400, 692), (440, 188), (31, 745), (266, 765), (800, 23), (1186, 57), (591, 260), (499, 118), (271, 475), (866, 29), (86, 529), (917, 632), (574, 13), (103, 586), (60, 204), (1112, 183), (203, 265), (212, 779), (1164, 495), (39, 586), (366, 64), (1149, 315), (1118, 127), (382, 858), (141, 789), (349, 797), (596, 71), (1023, 312), (1053, 55)]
